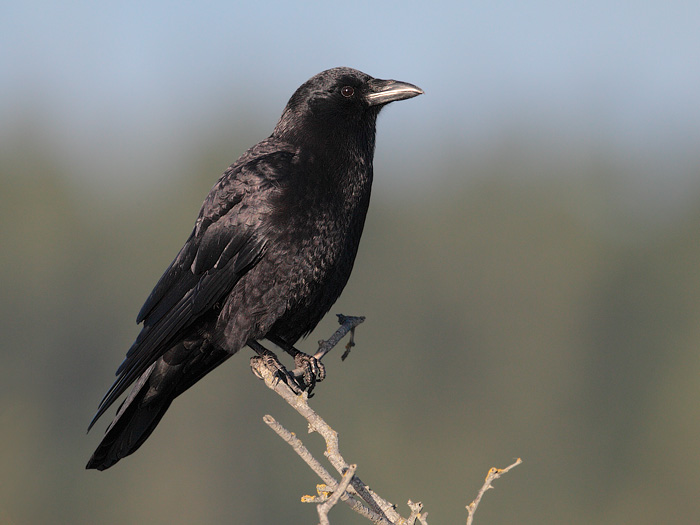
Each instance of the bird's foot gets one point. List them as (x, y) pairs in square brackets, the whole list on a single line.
[(308, 371), (302, 379), (270, 362)]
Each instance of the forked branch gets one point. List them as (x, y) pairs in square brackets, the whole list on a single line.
[(349, 488)]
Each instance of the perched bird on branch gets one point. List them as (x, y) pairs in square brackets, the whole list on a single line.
[(271, 250)]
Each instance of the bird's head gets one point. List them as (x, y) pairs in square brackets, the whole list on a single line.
[(340, 101)]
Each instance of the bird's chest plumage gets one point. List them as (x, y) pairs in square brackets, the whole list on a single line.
[(314, 232), (319, 248)]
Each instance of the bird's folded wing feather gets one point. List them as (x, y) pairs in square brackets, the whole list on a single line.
[(229, 238)]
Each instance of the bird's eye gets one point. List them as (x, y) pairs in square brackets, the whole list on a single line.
[(347, 91)]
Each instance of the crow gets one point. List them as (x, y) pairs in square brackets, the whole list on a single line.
[(271, 250)]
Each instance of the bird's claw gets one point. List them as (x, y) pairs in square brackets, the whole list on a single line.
[(270, 362), (308, 371)]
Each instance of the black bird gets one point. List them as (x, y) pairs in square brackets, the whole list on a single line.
[(271, 250)]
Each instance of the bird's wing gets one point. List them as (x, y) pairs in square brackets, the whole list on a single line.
[(228, 239)]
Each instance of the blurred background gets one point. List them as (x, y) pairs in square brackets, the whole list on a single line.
[(529, 269)]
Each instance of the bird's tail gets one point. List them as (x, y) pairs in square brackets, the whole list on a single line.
[(136, 418), (150, 397)]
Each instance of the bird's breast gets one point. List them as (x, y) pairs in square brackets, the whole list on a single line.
[(316, 249)]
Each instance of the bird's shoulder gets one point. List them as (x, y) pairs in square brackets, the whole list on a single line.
[(231, 223), (248, 184)]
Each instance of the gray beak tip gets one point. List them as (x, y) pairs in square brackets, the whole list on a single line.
[(385, 91)]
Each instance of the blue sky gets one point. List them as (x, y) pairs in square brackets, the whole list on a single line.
[(150, 76)]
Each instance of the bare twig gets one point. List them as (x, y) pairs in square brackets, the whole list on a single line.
[(322, 473), (380, 510), (300, 449), (350, 489), (493, 475), (351, 340), (416, 514), (323, 508), (348, 323)]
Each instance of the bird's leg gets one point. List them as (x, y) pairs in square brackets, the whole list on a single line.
[(308, 368), (270, 361)]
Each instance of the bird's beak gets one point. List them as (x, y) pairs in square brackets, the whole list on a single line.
[(385, 91)]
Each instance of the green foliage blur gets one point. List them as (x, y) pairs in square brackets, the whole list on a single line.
[(548, 317)]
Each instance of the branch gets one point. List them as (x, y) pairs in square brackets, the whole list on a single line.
[(348, 323), (349, 489), (415, 513), (330, 483), (374, 507), (493, 475), (323, 508)]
